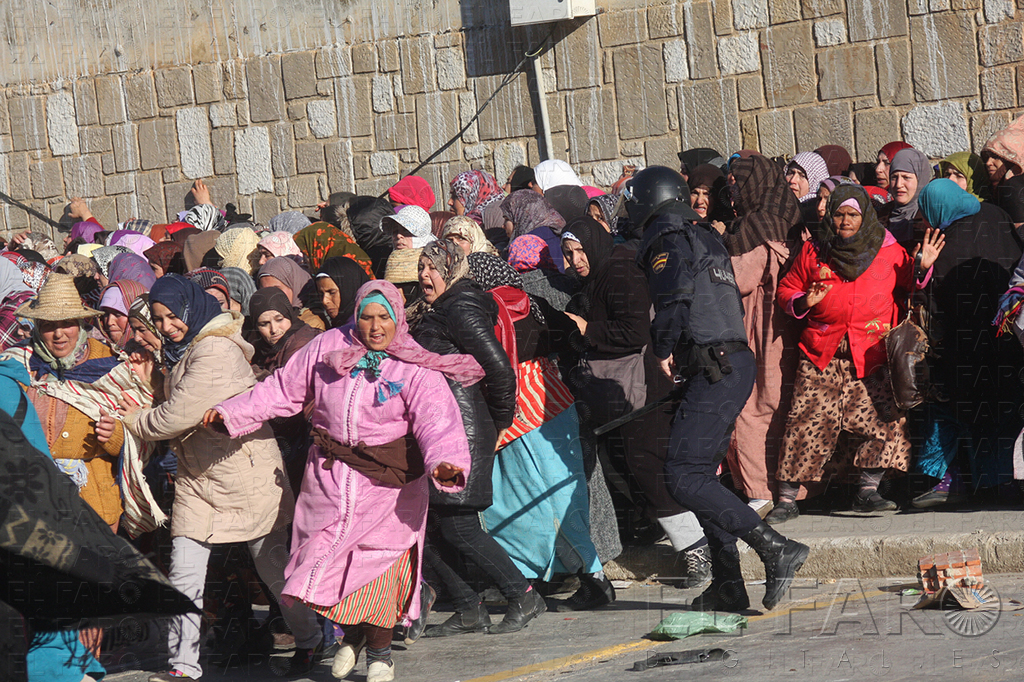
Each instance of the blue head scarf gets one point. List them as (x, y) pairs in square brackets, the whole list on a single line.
[(190, 304), (370, 362), (942, 202)]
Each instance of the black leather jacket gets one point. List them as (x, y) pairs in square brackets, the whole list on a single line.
[(462, 320)]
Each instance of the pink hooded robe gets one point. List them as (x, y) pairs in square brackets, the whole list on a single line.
[(348, 528)]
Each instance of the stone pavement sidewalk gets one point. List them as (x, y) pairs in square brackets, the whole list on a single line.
[(849, 545)]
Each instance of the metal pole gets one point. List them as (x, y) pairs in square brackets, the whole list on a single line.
[(542, 99)]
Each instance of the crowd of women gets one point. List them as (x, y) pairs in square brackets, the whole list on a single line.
[(418, 393)]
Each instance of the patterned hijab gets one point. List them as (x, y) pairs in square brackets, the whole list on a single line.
[(607, 203), (321, 241), (766, 207), (816, 170), (528, 210), (492, 272), (168, 255), (850, 258), (105, 256), (461, 226), (449, 260), (476, 190), (530, 252)]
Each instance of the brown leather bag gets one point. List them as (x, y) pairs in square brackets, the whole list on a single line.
[(906, 346)]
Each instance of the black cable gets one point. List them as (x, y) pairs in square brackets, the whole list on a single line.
[(504, 82), (31, 211)]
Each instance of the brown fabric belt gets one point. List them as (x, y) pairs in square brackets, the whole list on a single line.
[(392, 464)]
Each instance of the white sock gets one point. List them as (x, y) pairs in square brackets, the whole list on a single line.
[(683, 530)]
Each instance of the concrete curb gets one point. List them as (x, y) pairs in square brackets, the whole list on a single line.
[(834, 558)]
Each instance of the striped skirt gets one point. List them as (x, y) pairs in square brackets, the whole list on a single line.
[(380, 602)]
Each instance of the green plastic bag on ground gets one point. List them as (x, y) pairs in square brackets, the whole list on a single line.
[(680, 625)]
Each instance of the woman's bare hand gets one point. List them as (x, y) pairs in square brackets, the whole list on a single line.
[(447, 474), (127, 405), (200, 192), (815, 293), (930, 248), (105, 427), (212, 417), (78, 208), (580, 322)]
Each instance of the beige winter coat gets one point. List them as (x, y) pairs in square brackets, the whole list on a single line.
[(227, 489)]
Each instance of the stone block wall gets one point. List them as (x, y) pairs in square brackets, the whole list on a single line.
[(280, 129)]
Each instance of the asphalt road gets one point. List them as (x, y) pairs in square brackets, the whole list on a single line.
[(846, 630)]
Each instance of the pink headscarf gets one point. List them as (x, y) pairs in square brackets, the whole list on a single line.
[(136, 242), (280, 244), (412, 190), (462, 368)]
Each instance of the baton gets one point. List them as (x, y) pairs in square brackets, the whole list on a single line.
[(674, 394)]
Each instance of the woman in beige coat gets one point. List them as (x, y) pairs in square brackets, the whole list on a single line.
[(227, 490)]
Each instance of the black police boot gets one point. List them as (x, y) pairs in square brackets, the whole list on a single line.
[(726, 591), (782, 558)]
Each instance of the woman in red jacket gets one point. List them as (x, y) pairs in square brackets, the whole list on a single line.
[(846, 283)]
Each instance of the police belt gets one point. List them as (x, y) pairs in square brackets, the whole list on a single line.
[(711, 360)]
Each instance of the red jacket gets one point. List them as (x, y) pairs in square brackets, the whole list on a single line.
[(865, 309)]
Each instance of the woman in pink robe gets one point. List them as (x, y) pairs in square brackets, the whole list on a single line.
[(357, 539)]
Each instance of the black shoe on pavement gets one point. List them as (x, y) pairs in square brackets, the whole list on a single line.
[(521, 611), (304, 660), (460, 623), (784, 511), (727, 591), (416, 628), (872, 502), (593, 593), (728, 596), (782, 558)]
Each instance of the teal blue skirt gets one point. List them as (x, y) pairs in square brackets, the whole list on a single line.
[(541, 509)]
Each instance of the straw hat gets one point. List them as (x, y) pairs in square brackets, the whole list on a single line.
[(58, 299), (403, 266)]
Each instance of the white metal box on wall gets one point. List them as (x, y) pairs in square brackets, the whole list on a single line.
[(541, 11)]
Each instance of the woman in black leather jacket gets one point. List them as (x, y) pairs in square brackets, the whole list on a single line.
[(457, 316)]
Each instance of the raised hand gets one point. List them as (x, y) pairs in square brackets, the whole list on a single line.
[(200, 192), (816, 292), (930, 248)]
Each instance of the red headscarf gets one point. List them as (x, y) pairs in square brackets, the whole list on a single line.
[(892, 148), (413, 190)]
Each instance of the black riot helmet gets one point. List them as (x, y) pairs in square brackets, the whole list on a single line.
[(649, 190)]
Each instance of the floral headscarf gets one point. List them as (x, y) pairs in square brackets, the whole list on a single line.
[(321, 241), (105, 256), (450, 262), (476, 190), (530, 252)]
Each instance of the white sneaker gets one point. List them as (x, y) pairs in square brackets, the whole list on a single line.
[(762, 507), (381, 671), (345, 660)]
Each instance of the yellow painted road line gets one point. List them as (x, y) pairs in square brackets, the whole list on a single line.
[(643, 644)]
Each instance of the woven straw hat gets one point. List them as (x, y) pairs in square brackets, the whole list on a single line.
[(58, 299), (403, 266)]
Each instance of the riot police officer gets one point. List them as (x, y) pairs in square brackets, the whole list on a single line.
[(698, 338)]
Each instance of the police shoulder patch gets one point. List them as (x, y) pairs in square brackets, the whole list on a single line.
[(659, 261)]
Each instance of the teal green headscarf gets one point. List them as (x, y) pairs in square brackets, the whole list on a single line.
[(942, 202), (370, 363)]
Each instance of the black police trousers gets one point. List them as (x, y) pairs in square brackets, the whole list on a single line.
[(703, 425)]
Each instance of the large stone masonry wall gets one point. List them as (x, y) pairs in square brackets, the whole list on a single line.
[(281, 130)]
